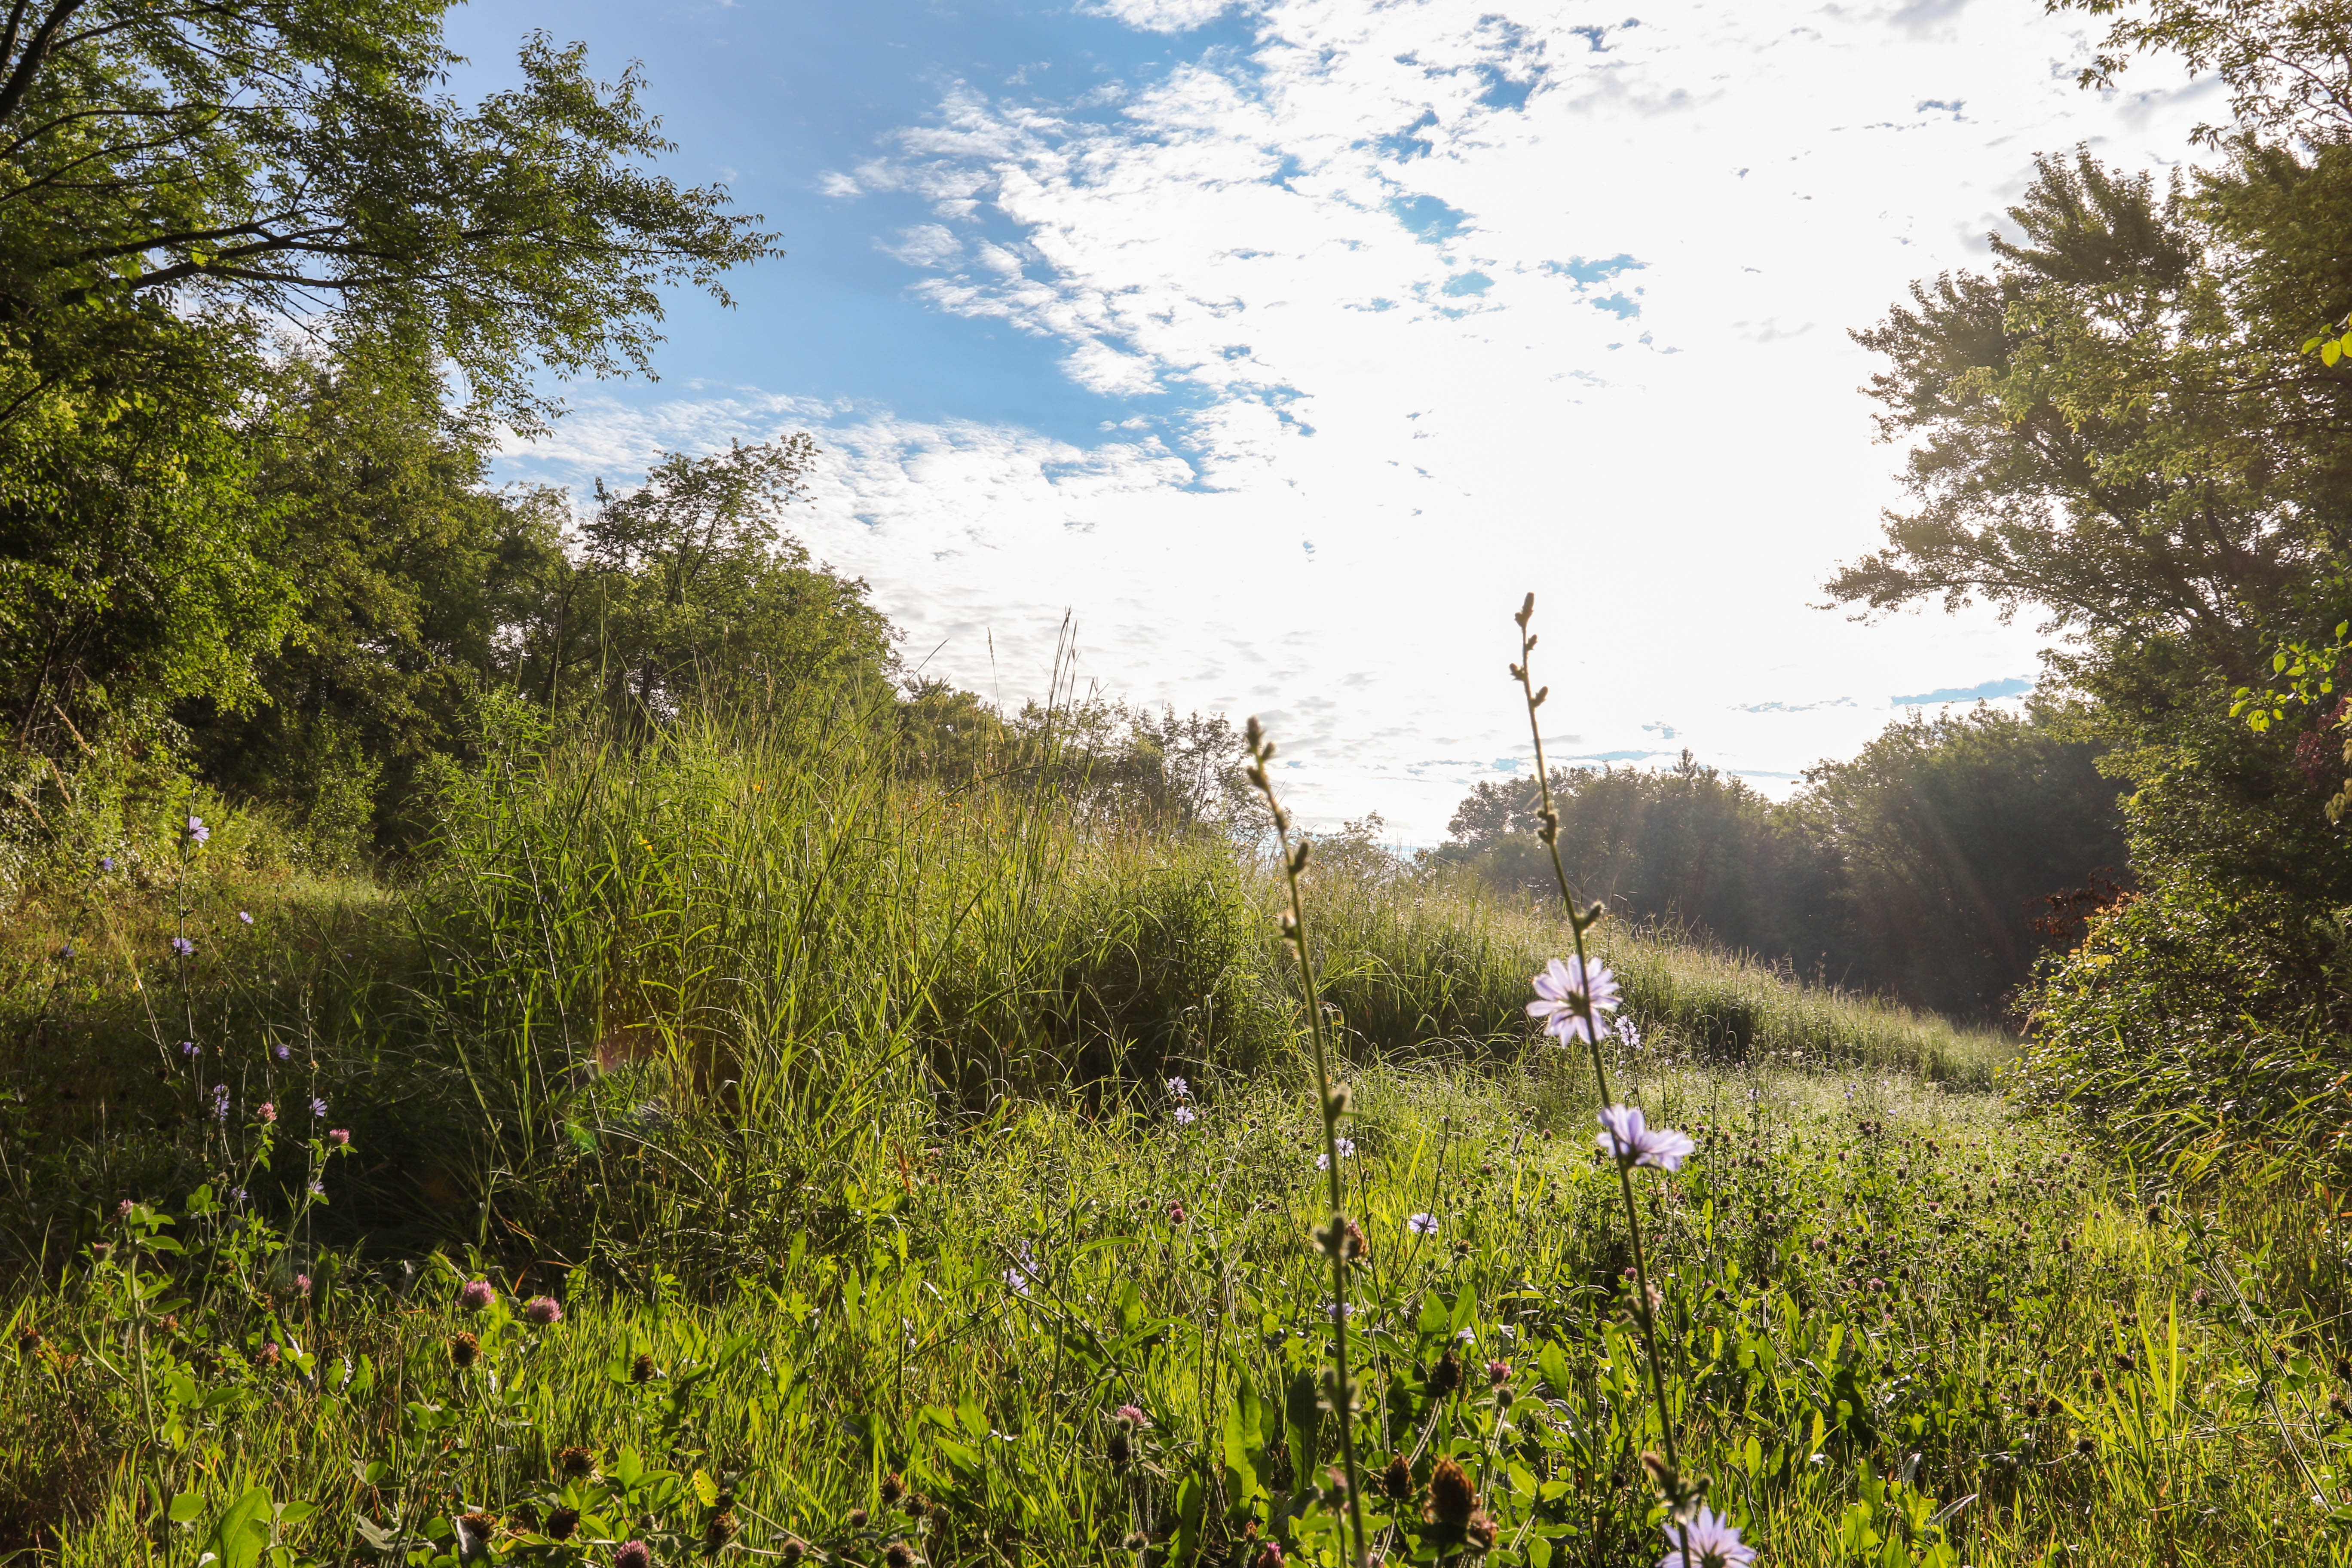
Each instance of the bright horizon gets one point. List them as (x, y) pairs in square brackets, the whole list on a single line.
[(1286, 345)]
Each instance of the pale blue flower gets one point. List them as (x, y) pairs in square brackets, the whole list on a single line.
[(183, 947), (244, 917), (1186, 1116), (1423, 1225), (197, 830), (319, 1107), (1563, 993), (1178, 1090), (1626, 1138), (1347, 1150), (283, 1052), (1708, 1540)]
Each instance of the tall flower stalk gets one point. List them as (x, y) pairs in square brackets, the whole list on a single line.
[(1335, 1237), (1571, 998)]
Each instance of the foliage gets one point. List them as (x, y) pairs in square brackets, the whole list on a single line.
[(1949, 836)]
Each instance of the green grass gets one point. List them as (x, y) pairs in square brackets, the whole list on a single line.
[(783, 1072)]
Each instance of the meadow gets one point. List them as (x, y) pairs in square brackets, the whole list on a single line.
[(733, 1145)]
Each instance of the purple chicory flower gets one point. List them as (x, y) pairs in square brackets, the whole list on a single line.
[(236, 1194), (181, 947), (318, 1106), (1708, 1540), (1625, 1137), (244, 917), (1186, 1116), (190, 1048), (1562, 992), (543, 1311), (106, 862), (282, 1053), (1347, 1150), (1423, 1225), (197, 830), (1178, 1090), (476, 1294), (318, 1189), (1023, 1270)]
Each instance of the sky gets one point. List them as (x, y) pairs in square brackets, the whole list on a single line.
[(1282, 345)]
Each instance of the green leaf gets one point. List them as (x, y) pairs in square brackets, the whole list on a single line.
[(2329, 353), (241, 1532), (706, 1488), (185, 1507)]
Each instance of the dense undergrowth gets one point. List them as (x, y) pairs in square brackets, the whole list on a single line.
[(883, 1141)]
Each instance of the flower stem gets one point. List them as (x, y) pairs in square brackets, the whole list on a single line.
[(1334, 1241), (1580, 918)]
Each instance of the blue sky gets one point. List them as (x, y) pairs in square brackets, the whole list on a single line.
[(1286, 342)]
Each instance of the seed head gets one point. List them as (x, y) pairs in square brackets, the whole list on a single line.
[(857, 1518), (575, 1464), (893, 1487), (793, 1549), (1452, 1498), (465, 1349), (562, 1524), (719, 1531), (1396, 1481), (1357, 1247), (1446, 1376), (1481, 1530), (642, 1369), (898, 1554)]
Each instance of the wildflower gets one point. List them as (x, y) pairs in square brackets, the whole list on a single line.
[(283, 1053), (634, 1554), (1269, 1555), (318, 1106), (720, 1530), (106, 862), (339, 1137), (1178, 1090), (1564, 995), (123, 1210), (1176, 1214), (1186, 1116), (543, 1311), (1452, 1498), (1120, 1447), (244, 917), (575, 1464), (1357, 1247), (642, 1369), (265, 1113), (317, 1188), (476, 1294), (1499, 1372), (1346, 1151), (473, 1535), (191, 1049), (1023, 1270), (894, 1486), (301, 1284), (100, 1252), (1632, 1142), (220, 1102), (898, 1554), (857, 1517), (268, 1354), (1707, 1541), (236, 1194), (197, 830), (562, 1524), (1133, 1416), (1629, 1033), (1423, 1225), (465, 1349), (794, 1549)]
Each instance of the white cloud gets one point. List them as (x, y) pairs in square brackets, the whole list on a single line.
[(1470, 298)]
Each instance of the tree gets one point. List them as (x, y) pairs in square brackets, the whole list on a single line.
[(172, 177), (689, 591), (1949, 835), (416, 577)]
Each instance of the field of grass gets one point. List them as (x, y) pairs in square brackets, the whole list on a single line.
[(836, 1111)]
